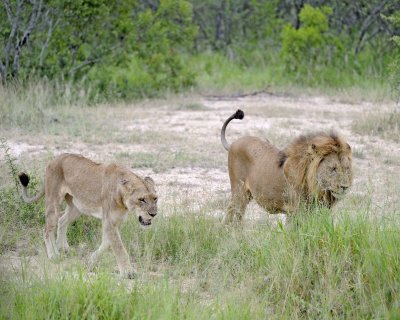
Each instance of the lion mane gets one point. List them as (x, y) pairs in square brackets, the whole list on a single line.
[(301, 159)]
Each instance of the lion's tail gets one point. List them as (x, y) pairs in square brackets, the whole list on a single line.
[(239, 114), (24, 179)]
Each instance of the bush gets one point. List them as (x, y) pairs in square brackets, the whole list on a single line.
[(156, 62), (310, 47), (394, 66)]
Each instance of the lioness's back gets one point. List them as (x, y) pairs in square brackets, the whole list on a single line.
[(75, 174)]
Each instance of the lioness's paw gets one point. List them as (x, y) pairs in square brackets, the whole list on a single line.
[(131, 274), (63, 250)]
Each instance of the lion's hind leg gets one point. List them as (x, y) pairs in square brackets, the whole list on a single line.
[(70, 215), (237, 206)]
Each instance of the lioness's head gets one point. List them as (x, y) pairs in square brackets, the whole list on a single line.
[(319, 165), (139, 195)]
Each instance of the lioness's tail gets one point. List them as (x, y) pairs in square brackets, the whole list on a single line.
[(239, 114), (24, 179)]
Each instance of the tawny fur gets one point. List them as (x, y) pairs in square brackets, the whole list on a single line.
[(315, 166), (107, 192)]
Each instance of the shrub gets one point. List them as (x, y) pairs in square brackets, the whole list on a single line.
[(311, 46), (156, 62), (394, 66)]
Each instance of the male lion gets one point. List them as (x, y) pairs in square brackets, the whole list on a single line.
[(107, 192), (315, 166)]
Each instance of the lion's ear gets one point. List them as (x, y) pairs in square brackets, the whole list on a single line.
[(149, 181)]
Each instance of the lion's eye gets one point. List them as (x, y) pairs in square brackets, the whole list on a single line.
[(334, 169), (155, 199), (142, 200)]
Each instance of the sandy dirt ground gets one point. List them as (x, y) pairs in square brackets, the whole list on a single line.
[(193, 125)]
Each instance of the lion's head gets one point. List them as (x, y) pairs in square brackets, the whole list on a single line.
[(319, 166), (139, 195)]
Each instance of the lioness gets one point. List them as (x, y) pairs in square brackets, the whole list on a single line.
[(106, 192), (315, 166)]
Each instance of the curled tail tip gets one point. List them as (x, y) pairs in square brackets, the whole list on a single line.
[(24, 179), (239, 114)]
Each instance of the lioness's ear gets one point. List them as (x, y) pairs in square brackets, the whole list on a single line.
[(312, 149), (149, 180), (124, 181)]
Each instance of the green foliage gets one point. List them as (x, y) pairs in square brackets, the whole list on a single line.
[(310, 47), (126, 50), (235, 26), (394, 66), (89, 32), (155, 63), (161, 36)]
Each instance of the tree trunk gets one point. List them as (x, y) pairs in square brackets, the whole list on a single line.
[(36, 10)]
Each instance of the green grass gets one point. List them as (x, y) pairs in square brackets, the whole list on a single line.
[(359, 80), (315, 266)]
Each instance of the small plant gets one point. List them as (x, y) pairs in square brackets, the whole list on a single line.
[(10, 161)]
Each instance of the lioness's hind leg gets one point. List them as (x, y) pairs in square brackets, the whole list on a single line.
[(70, 215), (49, 231), (105, 244), (53, 201)]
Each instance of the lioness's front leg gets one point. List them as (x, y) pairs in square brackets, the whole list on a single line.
[(113, 237), (105, 244)]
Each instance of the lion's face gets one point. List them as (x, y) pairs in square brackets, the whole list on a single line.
[(334, 175), (142, 199)]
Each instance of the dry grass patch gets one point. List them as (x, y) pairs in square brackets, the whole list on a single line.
[(385, 125)]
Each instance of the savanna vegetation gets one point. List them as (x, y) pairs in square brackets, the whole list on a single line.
[(121, 80), (110, 50)]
